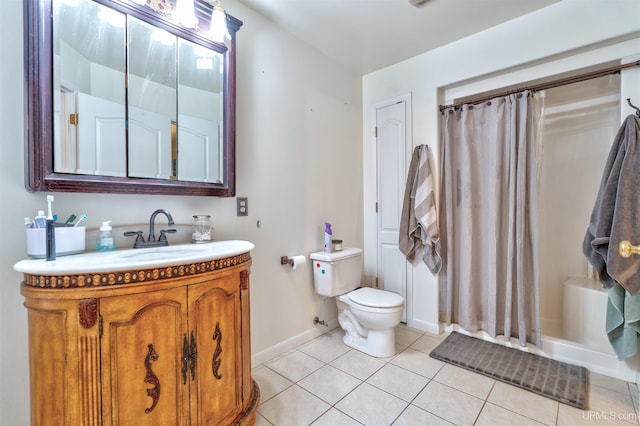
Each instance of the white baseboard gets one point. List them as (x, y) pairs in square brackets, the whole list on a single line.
[(426, 326), (291, 343)]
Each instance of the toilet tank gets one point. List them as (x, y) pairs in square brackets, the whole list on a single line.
[(338, 272)]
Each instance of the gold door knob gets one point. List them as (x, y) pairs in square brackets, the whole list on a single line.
[(627, 249)]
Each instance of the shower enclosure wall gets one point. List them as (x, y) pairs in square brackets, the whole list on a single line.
[(580, 122)]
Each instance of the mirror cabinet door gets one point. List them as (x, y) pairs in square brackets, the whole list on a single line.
[(138, 104), (200, 112), (89, 70), (152, 100)]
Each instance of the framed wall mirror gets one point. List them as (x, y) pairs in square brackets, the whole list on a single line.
[(120, 98)]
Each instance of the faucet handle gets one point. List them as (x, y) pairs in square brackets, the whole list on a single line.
[(164, 232), (138, 234)]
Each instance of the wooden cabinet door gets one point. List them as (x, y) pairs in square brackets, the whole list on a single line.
[(215, 321), (142, 358)]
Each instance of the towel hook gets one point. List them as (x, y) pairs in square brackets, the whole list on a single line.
[(634, 107)]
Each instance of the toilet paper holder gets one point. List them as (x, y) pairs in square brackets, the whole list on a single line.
[(284, 260), (293, 261)]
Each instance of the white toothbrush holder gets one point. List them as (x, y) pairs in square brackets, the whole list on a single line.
[(69, 240)]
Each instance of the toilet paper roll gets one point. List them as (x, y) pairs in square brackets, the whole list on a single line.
[(298, 261)]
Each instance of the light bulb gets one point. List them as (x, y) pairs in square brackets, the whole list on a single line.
[(185, 14), (218, 30)]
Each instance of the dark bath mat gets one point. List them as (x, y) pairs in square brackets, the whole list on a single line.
[(557, 380)]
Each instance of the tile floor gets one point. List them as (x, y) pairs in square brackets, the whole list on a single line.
[(324, 382)]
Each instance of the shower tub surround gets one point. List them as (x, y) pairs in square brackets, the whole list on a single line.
[(582, 339)]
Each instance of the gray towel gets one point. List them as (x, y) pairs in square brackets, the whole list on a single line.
[(616, 214), (418, 223)]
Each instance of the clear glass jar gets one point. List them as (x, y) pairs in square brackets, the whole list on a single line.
[(201, 229)]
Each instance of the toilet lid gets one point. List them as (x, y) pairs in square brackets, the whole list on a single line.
[(373, 297)]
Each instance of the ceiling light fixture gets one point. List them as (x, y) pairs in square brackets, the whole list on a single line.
[(183, 12)]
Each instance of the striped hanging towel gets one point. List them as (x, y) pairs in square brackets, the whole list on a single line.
[(418, 223)]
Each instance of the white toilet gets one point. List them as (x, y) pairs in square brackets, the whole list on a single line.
[(367, 315)]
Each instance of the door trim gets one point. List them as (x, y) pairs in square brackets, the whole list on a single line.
[(407, 99)]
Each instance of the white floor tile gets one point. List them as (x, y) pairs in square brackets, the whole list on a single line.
[(335, 417), (426, 343), (529, 404), (358, 364), (324, 348), (295, 365), (450, 404), (399, 382), (405, 336), (294, 406), (492, 415), (607, 382), (418, 362), (336, 334), (269, 382), (371, 406), (413, 416), (635, 397), (467, 381), (261, 421), (570, 416), (614, 404), (329, 383)]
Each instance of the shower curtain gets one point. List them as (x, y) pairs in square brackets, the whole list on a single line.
[(488, 217)]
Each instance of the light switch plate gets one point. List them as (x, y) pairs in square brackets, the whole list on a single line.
[(242, 206)]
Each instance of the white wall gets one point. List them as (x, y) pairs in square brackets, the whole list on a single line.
[(299, 160), (562, 37)]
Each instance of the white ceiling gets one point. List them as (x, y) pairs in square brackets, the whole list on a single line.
[(367, 35)]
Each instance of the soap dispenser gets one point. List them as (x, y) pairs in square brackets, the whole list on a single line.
[(105, 241)]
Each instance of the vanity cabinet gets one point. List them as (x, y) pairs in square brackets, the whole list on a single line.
[(159, 346)]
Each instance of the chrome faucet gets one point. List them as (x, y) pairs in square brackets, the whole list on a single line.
[(151, 241)]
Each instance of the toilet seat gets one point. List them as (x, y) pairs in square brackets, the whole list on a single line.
[(375, 298)]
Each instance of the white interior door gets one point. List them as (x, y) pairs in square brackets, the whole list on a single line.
[(101, 137), (198, 150), (149, 144), (391, 169)]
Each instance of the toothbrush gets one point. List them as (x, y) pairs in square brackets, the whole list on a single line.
[(49, 201), (50, 232), (71, 219), (82, 217)]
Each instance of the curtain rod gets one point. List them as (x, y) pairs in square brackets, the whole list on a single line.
[(547, 85)]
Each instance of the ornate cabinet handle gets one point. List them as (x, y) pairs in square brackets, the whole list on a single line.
[(193, 355), (185, 358), (216, 362), (151, 378)]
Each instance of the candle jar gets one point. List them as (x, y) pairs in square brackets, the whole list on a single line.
[(201, 229)]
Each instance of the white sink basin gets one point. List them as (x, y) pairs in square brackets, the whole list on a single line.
[(167, 252), (120, 260)]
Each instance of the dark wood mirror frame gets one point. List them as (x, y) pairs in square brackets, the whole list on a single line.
[(39, 172)]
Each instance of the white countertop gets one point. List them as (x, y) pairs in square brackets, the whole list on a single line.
[(127, 259)]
